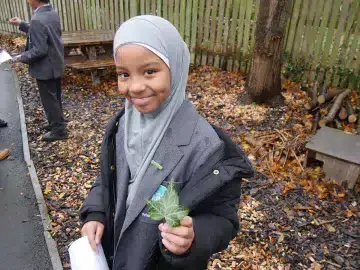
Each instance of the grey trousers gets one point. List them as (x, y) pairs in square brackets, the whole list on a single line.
[(50, 94)]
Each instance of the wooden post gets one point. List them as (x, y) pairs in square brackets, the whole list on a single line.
[(26, 13), (192, 44), (94, 73)]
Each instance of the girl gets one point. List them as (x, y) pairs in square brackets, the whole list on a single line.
[(159, 136)]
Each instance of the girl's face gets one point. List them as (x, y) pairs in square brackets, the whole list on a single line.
[(143, 78)]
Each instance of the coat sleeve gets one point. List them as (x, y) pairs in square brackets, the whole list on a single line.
[(215, 223), (38, 34), (93, 208), (24, 27)]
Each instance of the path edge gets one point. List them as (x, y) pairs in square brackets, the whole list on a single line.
[(50, 242)]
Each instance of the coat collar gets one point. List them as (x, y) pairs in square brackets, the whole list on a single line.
[(43, 8), (182, 126)]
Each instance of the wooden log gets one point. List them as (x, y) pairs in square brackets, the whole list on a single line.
[(318, 113), (352, 117), (335, 108), (330, 95), (308, 106), (343, 114)]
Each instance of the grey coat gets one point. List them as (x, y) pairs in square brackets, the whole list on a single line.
[(44, 49), (207, 167)]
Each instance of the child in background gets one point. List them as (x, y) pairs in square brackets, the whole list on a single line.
[(159, 136)]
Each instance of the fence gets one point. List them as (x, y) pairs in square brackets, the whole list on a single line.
[(322, 40)]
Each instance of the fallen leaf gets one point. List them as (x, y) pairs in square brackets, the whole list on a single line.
[(348, 213), (330, 228), (281, 237), (316, 266)]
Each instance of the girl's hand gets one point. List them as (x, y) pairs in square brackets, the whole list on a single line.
[(179, 239), (94, 231)]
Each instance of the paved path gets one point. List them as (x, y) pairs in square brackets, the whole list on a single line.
[(22, 241)]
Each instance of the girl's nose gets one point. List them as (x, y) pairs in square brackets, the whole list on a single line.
[(136, 86)]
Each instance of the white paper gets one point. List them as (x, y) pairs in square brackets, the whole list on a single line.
[(82, 257), (4, 56)]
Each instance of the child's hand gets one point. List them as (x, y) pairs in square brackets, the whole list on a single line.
[(94, 231), (179, 239), (15, 21)]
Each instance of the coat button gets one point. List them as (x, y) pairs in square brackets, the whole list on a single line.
[(216, 172)]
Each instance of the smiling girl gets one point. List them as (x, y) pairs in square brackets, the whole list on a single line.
[(159, 126)]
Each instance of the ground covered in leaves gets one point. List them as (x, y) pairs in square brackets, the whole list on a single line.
[(291, 217)]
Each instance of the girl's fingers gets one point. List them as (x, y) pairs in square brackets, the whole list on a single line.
[(89, 230), (176, 240), (181, 231), (187, 222), (91, 239), (172, 247), (99, 233)]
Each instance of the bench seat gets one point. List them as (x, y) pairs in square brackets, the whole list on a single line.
[(92, 64)]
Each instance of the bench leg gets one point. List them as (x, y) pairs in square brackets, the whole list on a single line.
[(309, 155), (95, 77)]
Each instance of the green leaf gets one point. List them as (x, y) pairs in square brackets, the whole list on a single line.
[(167, 207), (157, 165)]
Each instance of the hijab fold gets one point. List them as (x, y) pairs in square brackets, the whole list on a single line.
[(144, 132)]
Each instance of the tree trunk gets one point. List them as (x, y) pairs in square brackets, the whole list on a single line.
[(264, 80)]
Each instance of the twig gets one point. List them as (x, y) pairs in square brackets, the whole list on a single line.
[(281, 136), (282, 149), (316, 121), (303, 208), (333, 264), (271, 155), (261, 158), (267, 162), (287, 153), (317, 108), (327, 221), (297, 160)]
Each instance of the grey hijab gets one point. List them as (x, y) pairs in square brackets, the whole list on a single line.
[(144, 132)]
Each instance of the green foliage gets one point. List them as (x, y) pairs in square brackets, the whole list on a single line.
[(167, 207)]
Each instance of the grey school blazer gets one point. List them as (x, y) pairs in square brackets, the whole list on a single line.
[(207, 167), (44, 49)]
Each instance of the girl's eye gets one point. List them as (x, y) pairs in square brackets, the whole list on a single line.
[(150, 71), (123, 75)]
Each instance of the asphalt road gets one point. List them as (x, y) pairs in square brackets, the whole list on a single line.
[(22, 241)]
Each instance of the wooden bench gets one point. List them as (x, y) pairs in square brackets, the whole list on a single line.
[(340, 153), (92, 64), (89, 50)]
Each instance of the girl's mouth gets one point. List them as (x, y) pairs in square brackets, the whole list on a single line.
[(140, 101)]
